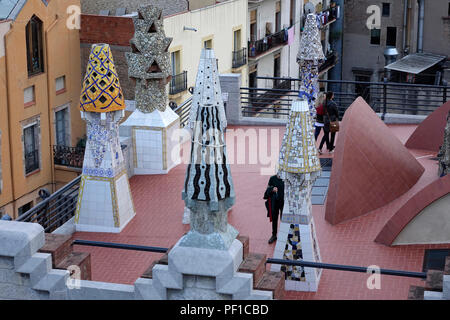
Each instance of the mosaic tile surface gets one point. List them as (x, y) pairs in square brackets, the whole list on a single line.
[(208, 175), (101, 91), (149, 63), (293, 251)]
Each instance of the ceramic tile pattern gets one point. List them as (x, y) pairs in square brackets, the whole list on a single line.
[(157, 223)]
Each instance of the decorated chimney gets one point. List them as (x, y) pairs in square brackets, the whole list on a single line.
[(207, 92), (299, 167), (153, 125), (209, 255), (104, 202), (208, 190)]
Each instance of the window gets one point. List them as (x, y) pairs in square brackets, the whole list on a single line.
[(292, 15), (62, 125), (375, 36), (31, 148), (207, 44), (60, 84), (276, 69), (25, 208), (29, 96), (35, 57), (253, 29), (386, 12), (391, 37), (175, 59), (237, 40), (278, 16)]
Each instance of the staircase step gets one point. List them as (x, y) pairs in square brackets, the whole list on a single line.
[(274, 282), (59, 246), (434, 280), (416, 293), (165, 258), (246, 245), (254, 263), (79, 259)]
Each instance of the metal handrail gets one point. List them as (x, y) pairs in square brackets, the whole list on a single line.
[(183, 111), (302, 263), (118, 246), (45, 203)]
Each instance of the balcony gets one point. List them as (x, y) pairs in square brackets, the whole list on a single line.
[(328, 16), (239, 58), (330, 61), (68, 156), (178, 83), (262, 47)]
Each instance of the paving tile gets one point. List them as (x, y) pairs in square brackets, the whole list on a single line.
[(158, 222)]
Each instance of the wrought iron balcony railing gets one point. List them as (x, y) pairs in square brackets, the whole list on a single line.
[(239, 58), (258, 47), (68, 156), (178, 83)]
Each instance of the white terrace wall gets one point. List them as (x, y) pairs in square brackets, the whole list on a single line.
[(26, 274)]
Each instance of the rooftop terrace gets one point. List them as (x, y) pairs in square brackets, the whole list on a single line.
[(158, 222)]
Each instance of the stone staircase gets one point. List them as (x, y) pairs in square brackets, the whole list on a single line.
[(61, 249), (437, 285), (253, 263)]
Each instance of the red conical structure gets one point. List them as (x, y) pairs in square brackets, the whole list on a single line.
[(371, 167), (430, 133)]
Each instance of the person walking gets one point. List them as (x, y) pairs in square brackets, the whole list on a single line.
[(320, 112), (331, 115), (274, 196)]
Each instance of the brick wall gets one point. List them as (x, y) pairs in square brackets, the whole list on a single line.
[(115, 31), (103, 29), (169, 6)]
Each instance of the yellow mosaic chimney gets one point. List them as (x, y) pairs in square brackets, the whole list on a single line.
[(101, 91)]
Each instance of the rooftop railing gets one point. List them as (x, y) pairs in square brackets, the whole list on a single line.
[(383, 97), (54, 211)]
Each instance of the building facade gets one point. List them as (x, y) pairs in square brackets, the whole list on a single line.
[(193, 25), (274, 31), (410, 26), (39, 95)]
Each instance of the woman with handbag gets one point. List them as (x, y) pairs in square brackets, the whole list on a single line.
[(331, 123)]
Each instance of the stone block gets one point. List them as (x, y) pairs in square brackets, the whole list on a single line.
[(20, 240), (36, 267), (206, 262), (81, 260), (55, 280), (254, 264), (196, 294), (434, 280), (260, 295), (205, 282), (59, 246), (14, 292), (93, 290), (245, 245), (416, 293), (144, 290), (6, 263), (433, 295), (240, 286), (274, 282), (446, 287), (167, 278), (12, 277)]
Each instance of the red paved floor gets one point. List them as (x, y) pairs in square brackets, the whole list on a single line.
[(158, 223)]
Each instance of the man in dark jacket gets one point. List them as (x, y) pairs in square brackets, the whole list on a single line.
[(275, 202)]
